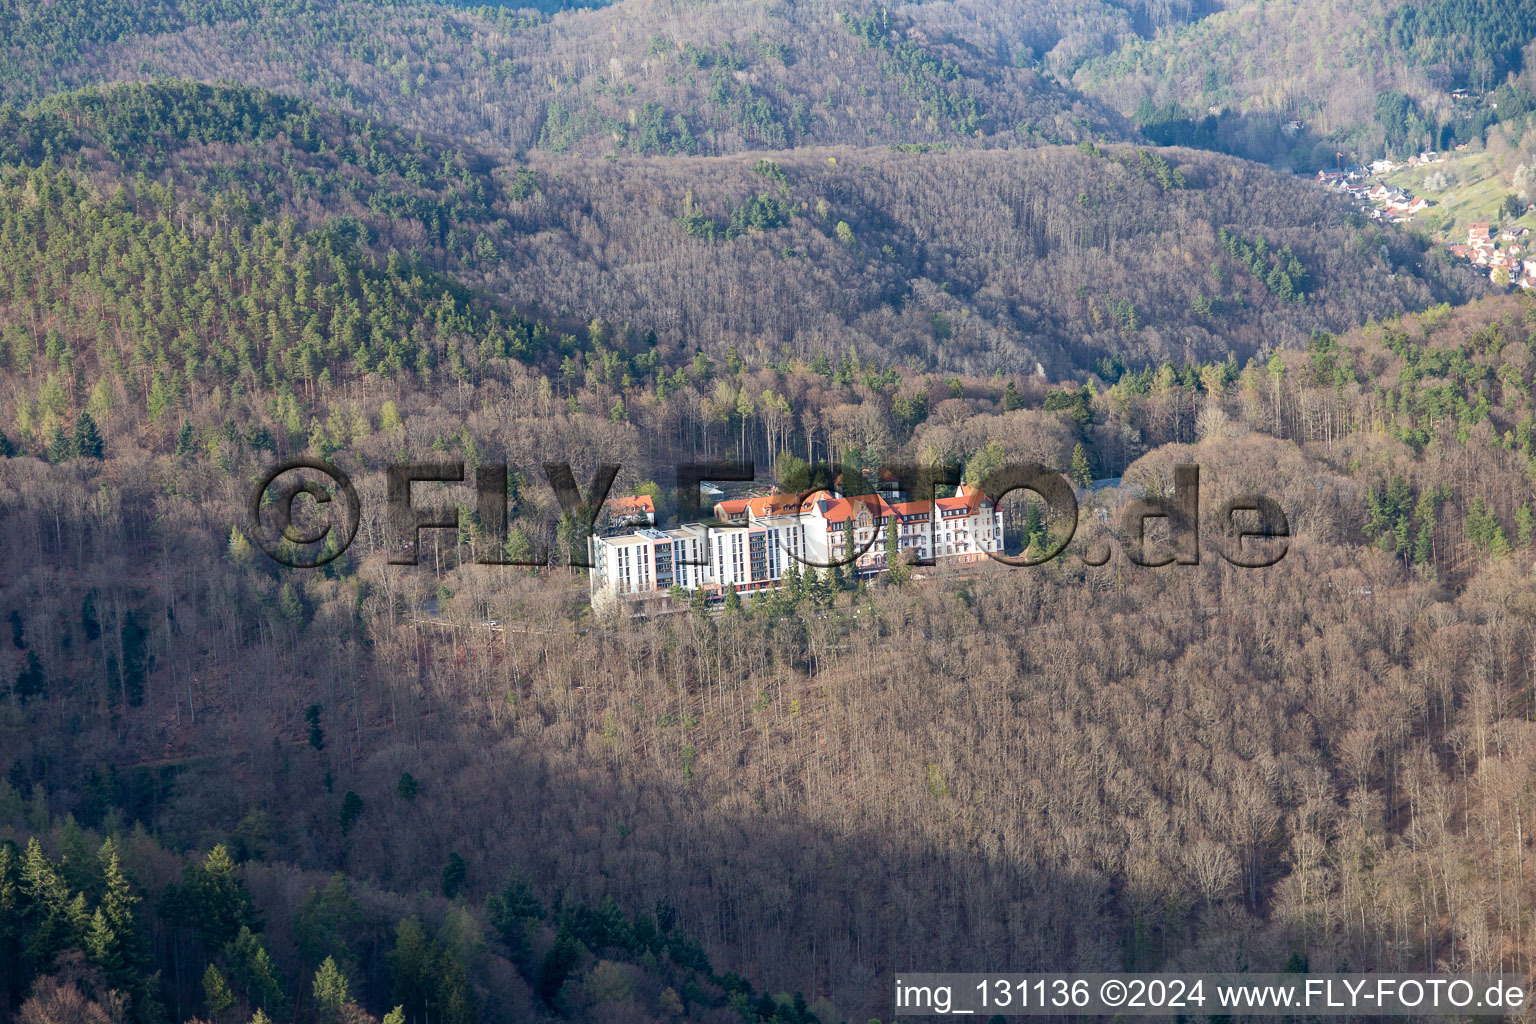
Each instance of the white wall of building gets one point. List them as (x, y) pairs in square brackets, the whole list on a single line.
[(754, 554)]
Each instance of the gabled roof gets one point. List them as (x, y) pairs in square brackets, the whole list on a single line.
[(759, 506), (638, 504), (838, 510)]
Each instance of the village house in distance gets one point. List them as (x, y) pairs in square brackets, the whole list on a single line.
[(1506, 265), (751, 542), (1379, 201), (1510, 264)]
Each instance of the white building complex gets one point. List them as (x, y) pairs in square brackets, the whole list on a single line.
[(752, 541)]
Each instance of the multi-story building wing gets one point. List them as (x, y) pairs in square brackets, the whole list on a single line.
[(965, 527), (752, 554), (650, 560), (753, 541)]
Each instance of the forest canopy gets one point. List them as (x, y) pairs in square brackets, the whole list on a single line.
[(948, 235)]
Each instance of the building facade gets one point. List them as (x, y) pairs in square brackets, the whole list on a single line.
[(752, 542)]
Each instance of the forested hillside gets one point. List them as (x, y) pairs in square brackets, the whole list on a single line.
[(654, 77), (644, 77), (794, 778), (1295, 81), (974, 261), (651, 232)]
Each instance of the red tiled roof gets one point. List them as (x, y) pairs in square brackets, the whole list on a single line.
[(632, 505), (837, 510), (773, 505), (758, 506)]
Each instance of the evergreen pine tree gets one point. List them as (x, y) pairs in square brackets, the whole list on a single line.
[(1400, 541), (1480, 524), (330, 989), (351, 810), (240, 551), (1011, 397), (411, 965), (570, 539), (389, 417), (213, 898), (454, 875), (791, 581), (1373, 525), (1082, 474), (896, 571), (509, 910), (10, 909), (454, 1000), (253, 971), (216, 991), (820, 586), (564, 955), (324, 920), (290, 605), (87, 441), (58, 921), (118, 900), (31, 681), (316, 733), (101, 946), (1424, 541), (60, 448), (849, 567), (1036, 537), (185, 438)]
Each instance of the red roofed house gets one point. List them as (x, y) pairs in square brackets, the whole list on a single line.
[(636, 510)]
